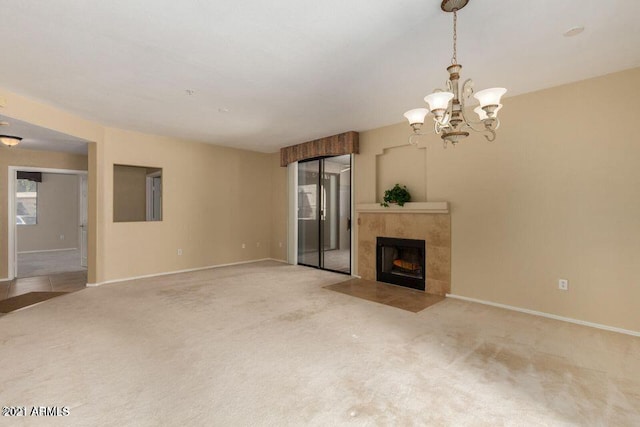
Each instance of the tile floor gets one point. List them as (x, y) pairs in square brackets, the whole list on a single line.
[(394, 296), (63, 282), (33, 264)]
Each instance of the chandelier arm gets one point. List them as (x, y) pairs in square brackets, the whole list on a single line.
[(467, 91), (439, 127), (449, 112), (492, 135), (455, 95), (415, 135), (445, 119), (471, 124), (477, 126)]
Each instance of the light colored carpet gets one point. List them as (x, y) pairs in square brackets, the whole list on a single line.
[(47, 263), (265, 344)]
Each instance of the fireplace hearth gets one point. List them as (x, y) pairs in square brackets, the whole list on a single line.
[(401, 262)]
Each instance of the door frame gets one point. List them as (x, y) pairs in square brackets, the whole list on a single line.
[(150, 196), (83, 216), (292, 229), (12, 241)]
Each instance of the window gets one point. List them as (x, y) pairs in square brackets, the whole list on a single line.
[(26, 202)]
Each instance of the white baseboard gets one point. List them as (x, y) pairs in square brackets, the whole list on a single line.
[(548, 315), (5, 279), (188, 270), (48, 250)]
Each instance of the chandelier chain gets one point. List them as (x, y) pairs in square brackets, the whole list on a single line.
[(454, 59)]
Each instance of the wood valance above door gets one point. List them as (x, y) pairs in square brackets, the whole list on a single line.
[(336, 145)]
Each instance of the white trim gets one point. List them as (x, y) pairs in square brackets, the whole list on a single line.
[(352, 214), (292, 220), (49, 170), (5, 279), (83, 219), (188, 270), (12, 243), (548, 315), (48, 250)]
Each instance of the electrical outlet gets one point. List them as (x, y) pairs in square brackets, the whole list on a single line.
[(179, 251), (280, 244), (244, 246), (257, 244), (563, 284), (62, 237)]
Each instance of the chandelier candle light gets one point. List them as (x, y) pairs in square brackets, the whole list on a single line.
[(448, 107)]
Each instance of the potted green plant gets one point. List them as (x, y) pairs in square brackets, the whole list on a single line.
[(397, 194)]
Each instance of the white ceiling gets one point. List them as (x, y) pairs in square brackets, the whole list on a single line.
[(293, 70), (39, 138)]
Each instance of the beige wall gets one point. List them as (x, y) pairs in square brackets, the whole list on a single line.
[(21, 157), (214, 200), (555, 196), (58, 215), (129, 193), (39, 114)]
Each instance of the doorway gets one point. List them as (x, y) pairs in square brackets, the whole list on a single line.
[(48, 222), (324, 213)]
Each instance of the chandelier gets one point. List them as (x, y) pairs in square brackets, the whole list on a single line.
[(448, 106)]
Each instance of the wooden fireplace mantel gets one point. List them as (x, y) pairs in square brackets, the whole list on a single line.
[(410, 207)]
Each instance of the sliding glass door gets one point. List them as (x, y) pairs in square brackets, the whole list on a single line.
[(324, 213), (309, 213)]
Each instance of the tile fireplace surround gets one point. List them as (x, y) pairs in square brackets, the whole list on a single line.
[(429, 221)]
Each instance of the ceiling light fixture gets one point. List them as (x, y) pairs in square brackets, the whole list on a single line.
[(448, 107), (10, 141), (571, 32)]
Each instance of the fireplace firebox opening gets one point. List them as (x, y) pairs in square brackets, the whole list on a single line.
[(401, 262)]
